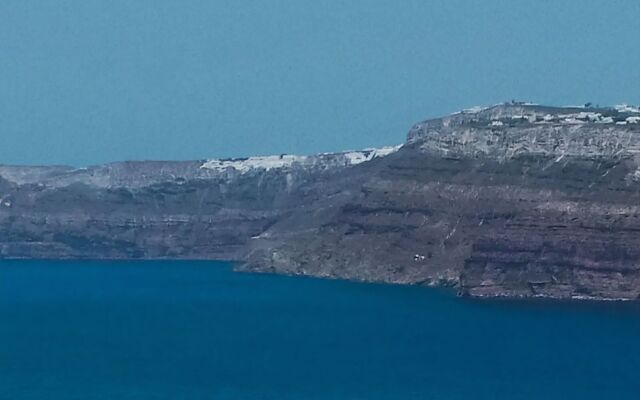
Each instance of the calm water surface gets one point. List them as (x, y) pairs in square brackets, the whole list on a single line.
[(197, 330)]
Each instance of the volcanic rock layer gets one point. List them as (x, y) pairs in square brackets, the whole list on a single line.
[(513, 200)]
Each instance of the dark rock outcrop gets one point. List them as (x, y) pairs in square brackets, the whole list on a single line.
[(514, 200)]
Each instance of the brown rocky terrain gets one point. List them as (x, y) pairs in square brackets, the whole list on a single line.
[(513, 200)]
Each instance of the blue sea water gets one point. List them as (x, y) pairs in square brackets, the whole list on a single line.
[(198, 330)]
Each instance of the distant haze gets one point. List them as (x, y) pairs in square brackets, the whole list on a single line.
[(91, 81)]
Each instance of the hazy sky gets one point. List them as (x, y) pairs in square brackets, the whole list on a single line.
[(90, 81)]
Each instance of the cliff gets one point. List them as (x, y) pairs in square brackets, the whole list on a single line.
[(513, 200)]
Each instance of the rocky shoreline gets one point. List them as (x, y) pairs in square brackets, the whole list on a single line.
[(514, 200)]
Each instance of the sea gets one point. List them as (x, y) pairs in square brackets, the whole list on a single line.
[(198, 330)]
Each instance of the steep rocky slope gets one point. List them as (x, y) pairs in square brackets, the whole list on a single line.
[(201, 209), (512, 200)]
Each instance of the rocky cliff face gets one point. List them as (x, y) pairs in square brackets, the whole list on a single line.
[(512, 200), (202, 209)]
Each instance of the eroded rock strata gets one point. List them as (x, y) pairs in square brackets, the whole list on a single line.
[(513, 200)]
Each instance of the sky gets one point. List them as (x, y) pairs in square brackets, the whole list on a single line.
[(85, 82)]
